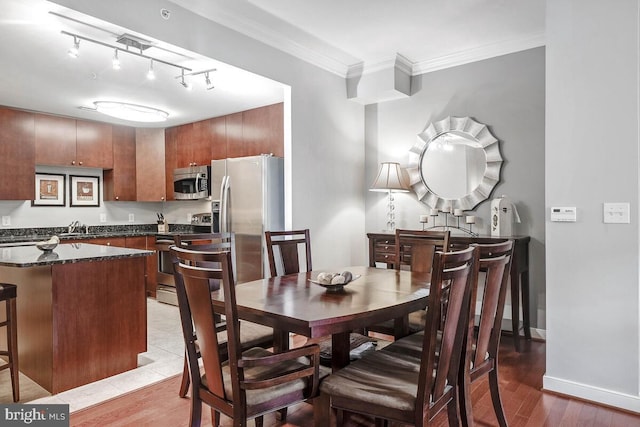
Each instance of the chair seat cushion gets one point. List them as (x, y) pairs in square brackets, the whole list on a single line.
[(257, 397), (384, 379)]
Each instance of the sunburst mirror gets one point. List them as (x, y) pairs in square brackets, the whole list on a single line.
[(456, 163)]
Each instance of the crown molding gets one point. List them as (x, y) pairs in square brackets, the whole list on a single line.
[(479, 54)]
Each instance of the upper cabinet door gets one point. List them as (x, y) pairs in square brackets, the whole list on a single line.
[(17, 155), (119, 182), (193, 144), (94, 146), (55, 140)]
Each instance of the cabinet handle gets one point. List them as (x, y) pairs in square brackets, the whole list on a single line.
[(117, 198), (162, 198), (73, 162), (108, 243), (80, 163)]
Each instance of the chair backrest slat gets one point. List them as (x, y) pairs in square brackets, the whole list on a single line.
[(284, 248)]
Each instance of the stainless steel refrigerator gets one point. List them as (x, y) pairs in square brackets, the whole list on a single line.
[(250, 194)]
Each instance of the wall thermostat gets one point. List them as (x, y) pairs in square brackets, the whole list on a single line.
[(563, 214)]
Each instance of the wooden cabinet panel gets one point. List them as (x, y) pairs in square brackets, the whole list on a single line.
[(263, 130), (256, 131), (170, 158), (55, 139), (218, 126), (150, 165), (235, 146), (193, 146), (94, 146), (17, 155), (120, 182)]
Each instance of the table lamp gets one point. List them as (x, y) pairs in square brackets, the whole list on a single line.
[(390, 179)]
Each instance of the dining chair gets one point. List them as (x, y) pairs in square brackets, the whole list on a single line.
[(245, 384), (414, 251), (483, 341), (284, 249), (393, 387), (251, 334)]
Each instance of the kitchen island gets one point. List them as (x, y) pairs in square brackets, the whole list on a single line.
[(81, 311)]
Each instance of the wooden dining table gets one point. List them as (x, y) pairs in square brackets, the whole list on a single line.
[(294, 304)]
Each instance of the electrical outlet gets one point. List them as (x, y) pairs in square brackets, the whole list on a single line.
[(189, 216), (6, 220), (131, 218), (103, 217)]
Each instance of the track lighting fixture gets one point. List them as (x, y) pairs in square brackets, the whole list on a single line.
[(136, 46), (116, 60), (75, 49), (151, 74)]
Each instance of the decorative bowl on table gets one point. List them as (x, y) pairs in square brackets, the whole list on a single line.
[(48, 245), (334, 282)]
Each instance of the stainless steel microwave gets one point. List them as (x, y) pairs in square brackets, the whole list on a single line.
[(191, 183)]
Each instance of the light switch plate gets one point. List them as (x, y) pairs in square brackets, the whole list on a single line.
[(6, 220), (103, 217), (563, 214), (616, 213), (132, 218)]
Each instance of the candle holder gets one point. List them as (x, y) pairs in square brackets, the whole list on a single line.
[(457, 214)]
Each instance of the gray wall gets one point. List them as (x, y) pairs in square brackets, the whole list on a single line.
[(592, 157), (508, 94)]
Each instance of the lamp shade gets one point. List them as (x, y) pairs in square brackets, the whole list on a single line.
[(390, 178)]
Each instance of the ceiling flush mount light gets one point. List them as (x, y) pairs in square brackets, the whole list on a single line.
[(75, 49), (131, 112), (116, 61), (390, 179)]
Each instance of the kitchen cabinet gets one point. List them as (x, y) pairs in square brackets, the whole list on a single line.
[(17, 155), (194, 144), (150, 165), (262, 133), (119, 181), (61, 141), (170, 159), (151, 262), (218, 138)]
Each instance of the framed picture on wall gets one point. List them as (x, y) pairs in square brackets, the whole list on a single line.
[(84, 190), (49, 190)]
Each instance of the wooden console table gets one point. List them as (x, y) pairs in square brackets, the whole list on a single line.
[(382, 250)]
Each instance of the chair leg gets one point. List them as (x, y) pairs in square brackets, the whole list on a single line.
[(495, 397), (186, 379), (215, 417), (196, 412), (453, 411), (12, 347), (464, 391), (259, 421), (339, 417)]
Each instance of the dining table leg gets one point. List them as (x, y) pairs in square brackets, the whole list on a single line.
[(340, 350)]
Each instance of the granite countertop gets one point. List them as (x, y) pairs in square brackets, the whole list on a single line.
[(21, 235), (28, 255)]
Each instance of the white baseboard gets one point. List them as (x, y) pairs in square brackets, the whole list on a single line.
[(591, 393)]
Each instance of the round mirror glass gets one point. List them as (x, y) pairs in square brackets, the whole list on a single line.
[(455, 164)]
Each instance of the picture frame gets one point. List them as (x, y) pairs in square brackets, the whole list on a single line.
[(84, 190), (49, 190)]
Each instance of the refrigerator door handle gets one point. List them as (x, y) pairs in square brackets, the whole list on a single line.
[(224, 205)]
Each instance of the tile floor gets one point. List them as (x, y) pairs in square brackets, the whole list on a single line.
[(163, 359)]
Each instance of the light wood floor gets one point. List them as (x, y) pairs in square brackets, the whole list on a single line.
[(520, 384)]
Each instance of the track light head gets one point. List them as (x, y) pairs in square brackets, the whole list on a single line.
[(75, 49), (116, 61), (151, 74), (207, 81)]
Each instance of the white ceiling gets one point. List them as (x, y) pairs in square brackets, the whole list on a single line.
[(339, 36)]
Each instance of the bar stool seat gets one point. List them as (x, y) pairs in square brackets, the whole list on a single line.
[(8, 293)]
